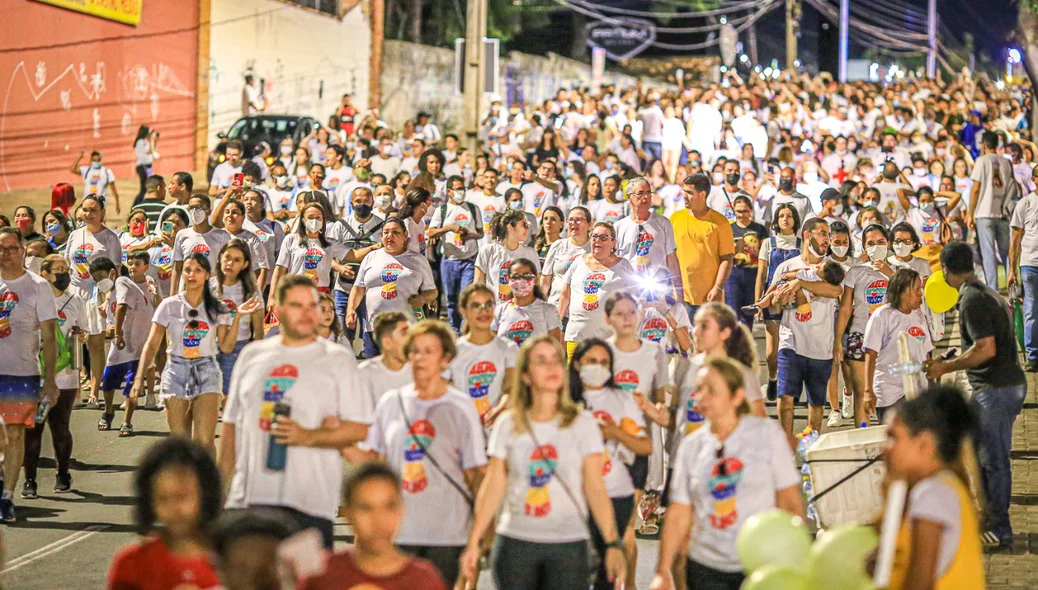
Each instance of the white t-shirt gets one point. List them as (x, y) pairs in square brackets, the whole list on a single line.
[(643, 370), (934, 499), (808, 329), (537, 508), (881, 336), (673, 198), (189, 337), (494, 259), (223, 174), (519, 324), (985, 169), (405, 430), (487, 206), (645, 245), (142, 149), (270, 234), (454, 248), (71, 314), (189, 241), (313, 260), (161, 268), (870, 292), (560, 257), (391, 280), (24, 303), (889, 205), (655, 327), (588, 292), (257, 249), (479, 370), (376, 380), (722, 200), (96, 180), (1025, 217), (333, 178), (603, 210), (616, 407), (537, 197), (688, 419), (928, 227), (233, 296), (415, 236), (83, 247), (800, 202), (723, 493), (318, 380), (137, 298)]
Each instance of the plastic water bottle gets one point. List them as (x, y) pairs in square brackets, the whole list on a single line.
[(809, 489), (41, 411), (277, 453), (812, 515)]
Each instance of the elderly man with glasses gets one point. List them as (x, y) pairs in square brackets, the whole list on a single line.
[(646, 240)]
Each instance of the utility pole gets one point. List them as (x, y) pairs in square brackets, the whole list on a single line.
[(475, 70), (845, 9), (792, 16), (931, 34), (378, 31)]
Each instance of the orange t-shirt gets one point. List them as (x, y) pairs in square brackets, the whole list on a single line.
[(701, 242)]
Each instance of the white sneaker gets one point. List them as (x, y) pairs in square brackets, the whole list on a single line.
[(847, 404), (835, 419)]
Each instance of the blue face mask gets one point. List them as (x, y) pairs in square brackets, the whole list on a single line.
[(53, 229), (515, 205), (95, 165)]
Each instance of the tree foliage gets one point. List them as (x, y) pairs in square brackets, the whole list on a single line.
[(443, 21)]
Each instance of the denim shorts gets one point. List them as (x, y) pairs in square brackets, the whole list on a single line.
[(119, 376), (795, 373), (189, 378), (227, 364)]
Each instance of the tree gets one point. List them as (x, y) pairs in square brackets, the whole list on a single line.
[(440, 22)]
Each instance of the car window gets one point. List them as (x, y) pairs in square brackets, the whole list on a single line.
[(266, 129)]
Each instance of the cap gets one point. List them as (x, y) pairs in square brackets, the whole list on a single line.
[(831, 194)]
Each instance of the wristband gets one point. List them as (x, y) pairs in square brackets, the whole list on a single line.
[(615, 544)]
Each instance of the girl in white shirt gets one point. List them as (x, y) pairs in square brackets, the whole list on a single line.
[(414, 210), (144, 152), (234, 284), (510, 230), (527, 314), (484, 366)]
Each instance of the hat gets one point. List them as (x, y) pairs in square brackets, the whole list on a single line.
[(917, 157), (831, 194)]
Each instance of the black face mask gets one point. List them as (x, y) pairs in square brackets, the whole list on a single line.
[(786, 184), (732, 179), (362, 211), (62, 280)]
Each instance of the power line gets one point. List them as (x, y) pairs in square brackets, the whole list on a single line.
[(678, 30), (648, 13)]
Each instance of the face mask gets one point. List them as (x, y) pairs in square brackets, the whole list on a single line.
[(197, 215), (810, 177), (815, 253), (920, 172), (362, 211), (314, 225), (137, 228), (903, 250), (521, 287), (718, 178), (515, 205), (32, 264), (786, 184), (838, 210), (383, 202), (917, 140), (839, 251), (24, 224), (609, 165), (877, 252), (594, 375), (105, 285), (62, 280), (286, 150), (363, 174), (457, 197), (732, 179), (53, 229), (927, 208), (282, 182), (95, 165)]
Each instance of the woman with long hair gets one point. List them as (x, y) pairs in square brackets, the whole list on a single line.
[(430, 175), (526, 314), (509, 230), (549, 232), (230, 215), (299, 169), (592, 190), (234, 284), (144, 146), (198, 326), (544, 477), (613, 207), (56, 227), (563, 252), (309, 252), (484, 366), (414, 212), (514, 202)]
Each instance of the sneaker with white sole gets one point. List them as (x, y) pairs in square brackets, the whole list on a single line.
[(835, 419), (846, 404)]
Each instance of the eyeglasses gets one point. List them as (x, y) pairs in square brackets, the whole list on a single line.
[(481, 306), (642, 194), (11, 249), (903, 242), (522, 277), (601, 237)]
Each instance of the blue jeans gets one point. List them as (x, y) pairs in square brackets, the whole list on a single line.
[(739, 290), (1029, 278), (691, 310), (227, 363), (456, 275), (653, 149), (370, 348), (342, 301), (993, 237), (999, 407)]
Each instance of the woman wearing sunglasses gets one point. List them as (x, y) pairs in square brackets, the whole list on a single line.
[(199, 326), (722, 474)]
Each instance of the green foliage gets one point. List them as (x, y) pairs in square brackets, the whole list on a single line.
[(444, 20)]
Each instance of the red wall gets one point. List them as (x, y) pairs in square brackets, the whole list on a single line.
[(71, 82)]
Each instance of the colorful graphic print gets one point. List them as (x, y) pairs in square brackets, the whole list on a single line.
[(693, 418), (81, 258), (654, 329), (164, 263), (627, 380), (461, 220), (202, 248), (543, 462), (390, 274), (724, 477), (519, 331), (194, 332), (918, 333), (592, 285), (504, 290), (875, 293), (419, 437), (277, 384), (311, 259), (803, 312), (480, 378), (8, 302), (641, 250)]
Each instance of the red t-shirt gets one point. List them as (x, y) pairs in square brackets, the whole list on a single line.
[(342, 573), (346, 115), (149, 565)]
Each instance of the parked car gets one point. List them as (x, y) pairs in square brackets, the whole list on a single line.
[(256, 129)]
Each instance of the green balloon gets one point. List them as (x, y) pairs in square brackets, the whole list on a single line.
[(838, 557), (776, 577), (773, 537)]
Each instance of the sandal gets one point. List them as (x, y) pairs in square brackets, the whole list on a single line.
[(126, 430), (105, 423)]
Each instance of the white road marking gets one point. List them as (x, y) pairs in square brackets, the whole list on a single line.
[(53, 547)]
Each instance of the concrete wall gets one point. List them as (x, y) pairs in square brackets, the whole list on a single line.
[(307, 60), (418, 77), (72, 81)]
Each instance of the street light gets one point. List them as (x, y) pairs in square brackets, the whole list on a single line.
[(1013, 57)]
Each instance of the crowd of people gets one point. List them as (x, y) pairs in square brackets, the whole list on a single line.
[(524, 350)]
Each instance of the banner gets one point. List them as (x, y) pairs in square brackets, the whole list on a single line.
[(122, 11), (623, 40)]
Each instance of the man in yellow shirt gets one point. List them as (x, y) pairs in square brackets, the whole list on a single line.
[(705, 245)]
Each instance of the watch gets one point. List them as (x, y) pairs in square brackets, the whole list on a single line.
[(615, 544)]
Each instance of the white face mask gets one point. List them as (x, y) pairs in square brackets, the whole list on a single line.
[(810, 177), (839, 251), (457, 197), (32, 264), (903, 250), (877, 252), (197, 215), (286, 150), (594, 375), (314, 225), (718, 178), (105, 285), (282, 181), (919, 172), (383, 201)]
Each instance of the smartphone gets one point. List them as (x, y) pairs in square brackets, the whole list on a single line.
[(238, 180), (167, 227)]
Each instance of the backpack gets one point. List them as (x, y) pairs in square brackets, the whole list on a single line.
[(63, 356), (473, 211)]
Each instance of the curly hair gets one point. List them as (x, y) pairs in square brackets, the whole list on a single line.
[(183, 453)]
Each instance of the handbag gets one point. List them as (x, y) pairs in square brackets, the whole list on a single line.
[(63, 356)]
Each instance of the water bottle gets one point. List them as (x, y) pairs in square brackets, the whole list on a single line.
[(41, 411), (419, 313), (812, 515), (277, 453)]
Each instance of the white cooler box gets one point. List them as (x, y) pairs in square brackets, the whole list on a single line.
[(857, 500)]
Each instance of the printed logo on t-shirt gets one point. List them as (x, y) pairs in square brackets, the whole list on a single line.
[(62, 318), (488, 214), (875, 293), (504, 290), (194, 332), (519, 331), (462, 220), (569, 263), (724, 477), (538, 202), (605, 417), (592, 285), (311, 259), (8, 301), (803, 312), (641, 250), (280, 380), (125, 253), (654, 329), (421, 243), (81, 258), (232, 308), (480, 378), (390, 274), (627, 380), (918, 333), (613, 215), (543, 462), (929, 231), (729, 214), (202, 248), (693, 418), (164, 263), (419, 437)]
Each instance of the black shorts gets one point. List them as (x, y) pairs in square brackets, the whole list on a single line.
[(639, 471)]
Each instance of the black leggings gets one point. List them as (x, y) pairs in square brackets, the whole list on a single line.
[(523, 565), (142, 173), (701, 577), (446, 560), (623, 508), (60, 435)]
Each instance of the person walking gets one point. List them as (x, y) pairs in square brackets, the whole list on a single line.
[(999, 384), (457, 226), (1023, 268), (991, 177), (705, 245)]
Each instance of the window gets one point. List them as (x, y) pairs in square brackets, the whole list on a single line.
[(329, 7)]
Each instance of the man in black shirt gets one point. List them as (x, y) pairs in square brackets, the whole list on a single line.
[(998, 382)]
